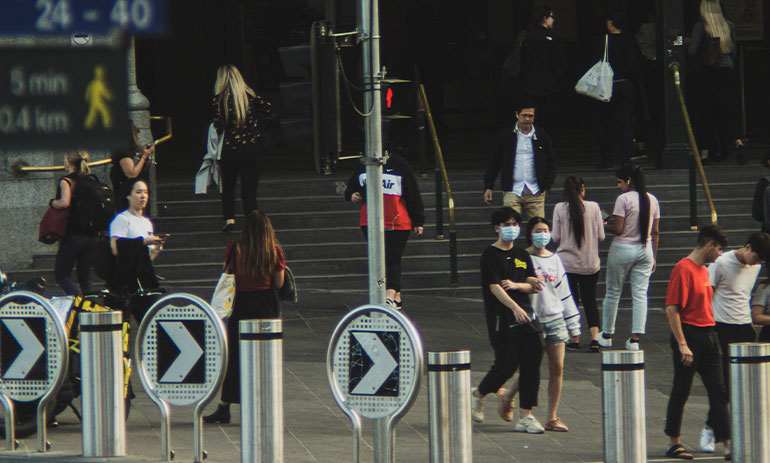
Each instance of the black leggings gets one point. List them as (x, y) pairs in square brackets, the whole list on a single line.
[(395, 243), (511, 353), (75, 248), (247, 305), (617, 121), (716, 104), (243, 160), (583, 288)]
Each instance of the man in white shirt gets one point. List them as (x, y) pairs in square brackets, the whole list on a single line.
[(523, 158), (733, 276)]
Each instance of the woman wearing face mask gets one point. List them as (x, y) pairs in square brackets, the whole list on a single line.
[(507, 280), (578, 228), (633, 251), (556, 311)]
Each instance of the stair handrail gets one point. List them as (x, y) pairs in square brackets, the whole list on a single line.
[(21, 168), (674, 66), (442, 177)]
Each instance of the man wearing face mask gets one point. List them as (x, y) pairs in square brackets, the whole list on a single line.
[(523, 158), (507, 280)]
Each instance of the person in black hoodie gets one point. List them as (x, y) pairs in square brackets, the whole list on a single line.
[(617, 118), (403, 211), (543, 65)]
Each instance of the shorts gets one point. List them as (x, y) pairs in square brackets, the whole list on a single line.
[(555, 331)]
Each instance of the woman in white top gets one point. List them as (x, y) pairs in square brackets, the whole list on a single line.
[(632, 252), (578, 228), (132, 224), (556, 311), (131, 237)]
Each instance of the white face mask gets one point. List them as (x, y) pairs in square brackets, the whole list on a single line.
[(510, 232), (541, 239)]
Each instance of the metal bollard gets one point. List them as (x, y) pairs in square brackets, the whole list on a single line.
[(104, 416), (449, 407), (749, 401), (261, 366), (623, 407)]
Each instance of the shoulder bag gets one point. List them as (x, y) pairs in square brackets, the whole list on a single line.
[(597, 82), (224, 293), (53, 225)]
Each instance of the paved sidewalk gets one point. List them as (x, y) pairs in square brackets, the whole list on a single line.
[(316, 430)]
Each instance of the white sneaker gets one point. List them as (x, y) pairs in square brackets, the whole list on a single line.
[(632, 344), (529, 424), (477, 408), (707, 440), (605, 342)]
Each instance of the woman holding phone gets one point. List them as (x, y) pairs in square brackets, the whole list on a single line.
[(130, 164)]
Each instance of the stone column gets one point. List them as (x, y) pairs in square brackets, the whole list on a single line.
[(139, 112)]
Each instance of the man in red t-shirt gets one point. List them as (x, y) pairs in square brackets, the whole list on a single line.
[(694, 341)]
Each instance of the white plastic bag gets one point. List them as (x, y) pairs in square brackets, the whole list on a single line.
[(597, 82), (224, 293)]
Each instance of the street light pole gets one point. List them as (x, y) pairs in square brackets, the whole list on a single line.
[(384, 434), (373, 158)]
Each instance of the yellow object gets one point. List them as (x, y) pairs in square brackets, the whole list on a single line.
[(97, 96)]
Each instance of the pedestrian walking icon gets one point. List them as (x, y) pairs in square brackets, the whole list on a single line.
[(97, 96)]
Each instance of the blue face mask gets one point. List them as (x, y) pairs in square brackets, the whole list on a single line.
[(541, 240), (509, 233)]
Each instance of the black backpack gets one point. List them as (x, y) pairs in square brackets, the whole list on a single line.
[(94, 205), (511, 68), (758, 204)]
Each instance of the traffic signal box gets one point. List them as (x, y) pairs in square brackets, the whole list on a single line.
[(311, 99)]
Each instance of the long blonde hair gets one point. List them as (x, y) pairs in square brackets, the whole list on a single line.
[(79, 159), (716, 25), (257, 247), (229, 84)]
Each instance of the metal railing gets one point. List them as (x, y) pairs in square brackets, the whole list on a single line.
[(442, 179), (696, 155), (21, 168)]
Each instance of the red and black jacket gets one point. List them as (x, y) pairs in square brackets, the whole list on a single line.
[(402, 204)]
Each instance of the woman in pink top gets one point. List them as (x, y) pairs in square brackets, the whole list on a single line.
[(578, 228), (632, 252)]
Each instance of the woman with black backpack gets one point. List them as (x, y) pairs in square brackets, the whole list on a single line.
[(79, 242)]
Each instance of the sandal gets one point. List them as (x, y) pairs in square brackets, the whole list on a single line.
[(556, 426), (678, 451)]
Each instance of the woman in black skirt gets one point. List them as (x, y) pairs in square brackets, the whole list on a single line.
[(257, 262)]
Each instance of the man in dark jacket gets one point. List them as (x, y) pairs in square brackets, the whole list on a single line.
[(523, 157)]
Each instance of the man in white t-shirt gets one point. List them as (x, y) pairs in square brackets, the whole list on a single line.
[(733, 276)]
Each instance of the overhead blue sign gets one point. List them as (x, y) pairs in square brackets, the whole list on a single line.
[(33, 17)]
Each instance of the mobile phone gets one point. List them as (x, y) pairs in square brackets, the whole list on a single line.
[(150, 145), (605, 216)]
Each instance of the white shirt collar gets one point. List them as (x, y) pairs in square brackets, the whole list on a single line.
[(530, 134)]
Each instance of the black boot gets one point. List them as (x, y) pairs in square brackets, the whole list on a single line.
[(221, 415)]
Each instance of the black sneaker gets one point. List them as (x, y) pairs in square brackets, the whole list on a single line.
[(594, 347), (221, 415), (573, 346)]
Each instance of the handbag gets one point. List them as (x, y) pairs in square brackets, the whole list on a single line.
[(224, 293), (597, 81), (288, 292), (53, 225)]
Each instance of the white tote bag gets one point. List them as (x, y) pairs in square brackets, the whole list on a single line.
[(597, 82), (224, 293)]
